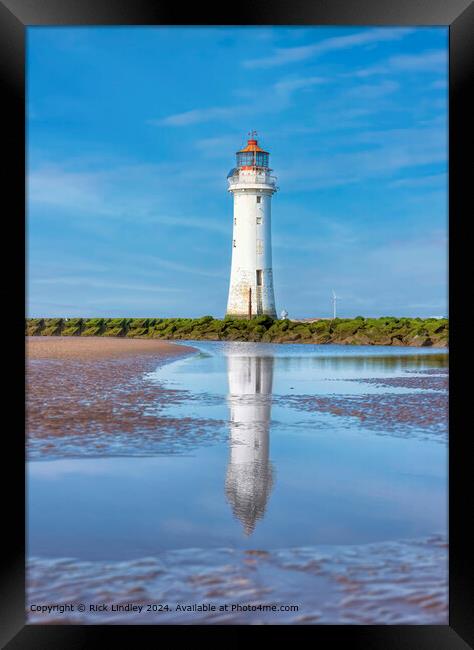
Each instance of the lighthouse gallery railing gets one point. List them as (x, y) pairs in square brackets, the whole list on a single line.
[(241, 179)]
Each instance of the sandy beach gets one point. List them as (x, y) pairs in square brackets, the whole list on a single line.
[(71, 347), (92, 394)]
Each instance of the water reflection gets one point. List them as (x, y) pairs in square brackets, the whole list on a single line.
[(358, 363), (249, 476)]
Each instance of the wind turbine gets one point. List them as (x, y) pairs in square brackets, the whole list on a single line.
[(334, 302)]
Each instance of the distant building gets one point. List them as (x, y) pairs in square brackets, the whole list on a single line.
[(251, 276)]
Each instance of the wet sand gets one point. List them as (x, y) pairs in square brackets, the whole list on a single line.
[(422, 414), (96, 397), (90, 396), (99, 347), (402, 582)]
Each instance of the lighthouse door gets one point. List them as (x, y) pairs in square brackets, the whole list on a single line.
[(259, 292)]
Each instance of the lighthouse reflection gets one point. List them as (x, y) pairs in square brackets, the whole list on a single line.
[(249, 476)]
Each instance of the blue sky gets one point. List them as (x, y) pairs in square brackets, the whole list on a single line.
[(131, 133)]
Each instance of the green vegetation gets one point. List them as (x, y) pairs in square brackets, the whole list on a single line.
[(354, 331)]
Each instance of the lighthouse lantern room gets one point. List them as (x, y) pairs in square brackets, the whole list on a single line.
[(251, 276)]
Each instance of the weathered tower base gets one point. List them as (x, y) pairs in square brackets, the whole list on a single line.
[(257, 298)]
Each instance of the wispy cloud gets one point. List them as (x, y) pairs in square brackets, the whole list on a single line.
[(126, 194), (197, 115), (56, 186), (277, 97), (199, 222), (369, 92), (184, 268), (279, 94), (217, 146), (432, 61), (90, 283), (288, 86), (374, 154), (283, 56), (430, 180), (435, 60)]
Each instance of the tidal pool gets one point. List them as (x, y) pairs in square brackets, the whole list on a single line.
[(285, 468)]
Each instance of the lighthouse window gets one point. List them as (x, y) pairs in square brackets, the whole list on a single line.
[(259, 277), (234, 244), (259, 219), (259, 199), (235, 221), (245, 159)]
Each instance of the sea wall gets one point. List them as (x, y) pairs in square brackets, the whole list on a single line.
[(355, 331)]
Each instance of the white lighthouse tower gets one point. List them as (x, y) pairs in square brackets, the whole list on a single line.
[(251, 276), (249, 478)]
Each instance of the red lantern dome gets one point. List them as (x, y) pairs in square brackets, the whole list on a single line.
[(252, 155)]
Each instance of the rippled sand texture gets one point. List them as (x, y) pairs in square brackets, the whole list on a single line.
[(422, 413), (401, 582), (273, 456), (89, 397)]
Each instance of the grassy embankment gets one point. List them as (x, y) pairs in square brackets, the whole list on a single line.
[(355, 331)]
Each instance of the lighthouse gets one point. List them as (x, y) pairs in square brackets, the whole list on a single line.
[(251, 275), (249, 478)]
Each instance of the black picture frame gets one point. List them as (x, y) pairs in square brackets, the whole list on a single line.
[(15, 16)]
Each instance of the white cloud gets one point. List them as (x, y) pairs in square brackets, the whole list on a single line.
[(128, 193), (54, 185), (288, 86), (277, 98), (199, 222), (438, 180), (218, 146), (183, 268), (369, 92), (431, 60), (428, 61), (197, 115), (280, 93), (287, 55), (373, 154), (90, 283)]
